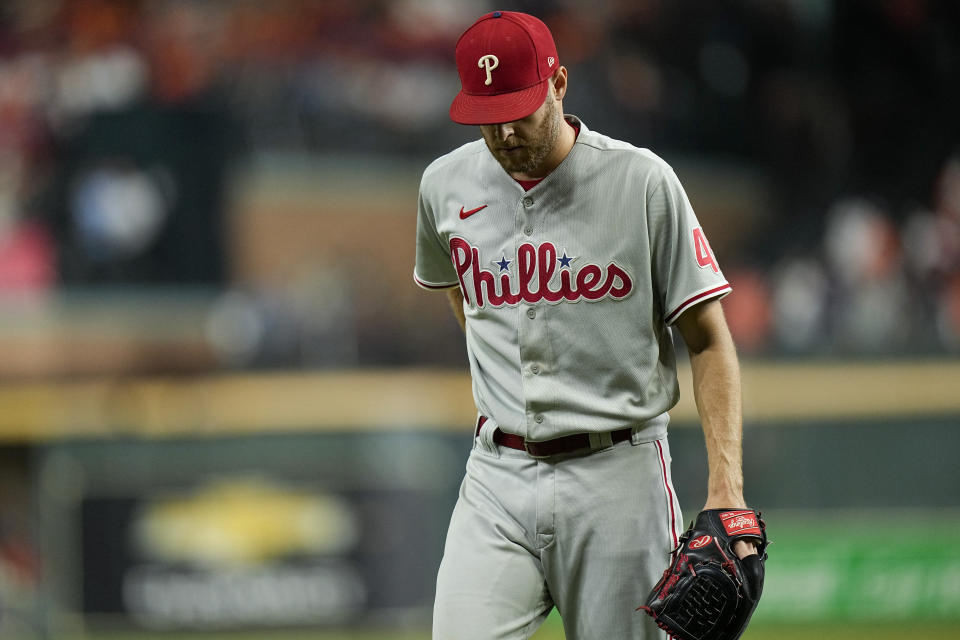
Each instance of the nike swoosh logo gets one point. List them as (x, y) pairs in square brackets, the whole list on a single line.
[(466, 214)]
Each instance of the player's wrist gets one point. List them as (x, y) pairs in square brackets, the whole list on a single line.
[(728, 500)]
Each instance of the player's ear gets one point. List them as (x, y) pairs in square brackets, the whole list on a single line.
[(559, 82)]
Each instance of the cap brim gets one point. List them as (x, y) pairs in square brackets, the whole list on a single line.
[(500, 108)]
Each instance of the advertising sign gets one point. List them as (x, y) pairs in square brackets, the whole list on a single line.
[(248, 533)]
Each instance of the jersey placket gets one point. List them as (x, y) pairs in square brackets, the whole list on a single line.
[(532, 330)]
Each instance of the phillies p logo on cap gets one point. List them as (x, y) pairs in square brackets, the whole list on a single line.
[(488, 62), (505, 60)]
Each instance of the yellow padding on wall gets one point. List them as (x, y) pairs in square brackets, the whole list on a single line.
[(399, 399)]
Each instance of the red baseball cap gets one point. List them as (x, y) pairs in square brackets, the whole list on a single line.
[(505, 60)]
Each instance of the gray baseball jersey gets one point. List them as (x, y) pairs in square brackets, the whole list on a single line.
[(569, 288)]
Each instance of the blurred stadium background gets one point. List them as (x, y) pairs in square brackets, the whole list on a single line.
[(227, 412)]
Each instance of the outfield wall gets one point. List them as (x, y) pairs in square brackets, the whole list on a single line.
[(321, 499)]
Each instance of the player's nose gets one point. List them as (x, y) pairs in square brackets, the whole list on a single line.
[(504, 131)]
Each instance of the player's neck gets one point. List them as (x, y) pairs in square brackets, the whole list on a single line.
[(565, 142)]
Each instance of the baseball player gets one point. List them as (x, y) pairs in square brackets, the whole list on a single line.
[(567, 257)]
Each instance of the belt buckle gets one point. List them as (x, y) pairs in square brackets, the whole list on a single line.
[(526, 447)]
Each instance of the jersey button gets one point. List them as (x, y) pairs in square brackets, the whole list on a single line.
[(528, 229), (531, 313), (528, 202), (538, 418), (535, 369)]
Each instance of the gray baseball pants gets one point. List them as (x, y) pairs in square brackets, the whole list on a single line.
[(588, 534)]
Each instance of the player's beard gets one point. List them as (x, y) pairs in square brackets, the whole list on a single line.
[(536, 148)]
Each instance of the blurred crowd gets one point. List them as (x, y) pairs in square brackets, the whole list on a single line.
[(120, 121)]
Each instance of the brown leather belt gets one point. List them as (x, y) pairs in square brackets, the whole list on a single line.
[(546, 448)]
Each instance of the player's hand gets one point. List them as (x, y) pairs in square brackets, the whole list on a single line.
[(744, 548)]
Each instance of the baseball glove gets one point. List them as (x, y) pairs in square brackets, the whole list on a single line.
[(707, 592)]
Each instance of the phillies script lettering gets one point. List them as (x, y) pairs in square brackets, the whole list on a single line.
[(540, 275)]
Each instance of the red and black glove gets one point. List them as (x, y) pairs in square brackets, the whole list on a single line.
[(707, 592)]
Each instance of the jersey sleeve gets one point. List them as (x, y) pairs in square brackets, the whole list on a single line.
[(685, 271), (433, 269)]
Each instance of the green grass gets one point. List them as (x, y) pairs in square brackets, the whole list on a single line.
[(553, 630), (846, 631)]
